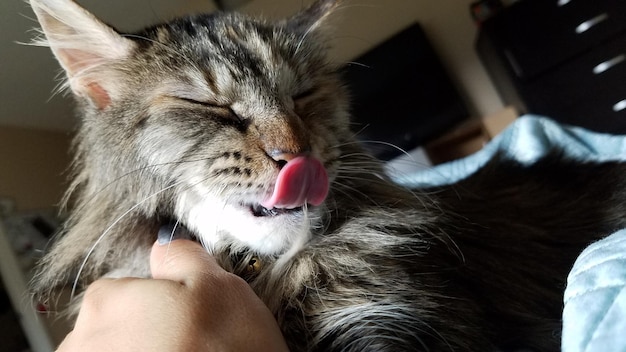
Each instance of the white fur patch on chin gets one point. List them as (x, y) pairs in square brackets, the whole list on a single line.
[(219, 225)]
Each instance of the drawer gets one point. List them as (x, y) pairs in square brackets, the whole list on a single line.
[(536, 35), (602, 112), (588, 92), (603, 69)]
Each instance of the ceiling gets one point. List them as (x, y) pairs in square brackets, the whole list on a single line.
[(28, 73)]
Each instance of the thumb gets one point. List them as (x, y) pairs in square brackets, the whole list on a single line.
[(175, 257)]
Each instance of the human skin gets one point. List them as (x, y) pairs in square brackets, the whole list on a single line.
[(190, 304)]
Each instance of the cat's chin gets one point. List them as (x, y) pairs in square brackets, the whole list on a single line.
[(243, 226)]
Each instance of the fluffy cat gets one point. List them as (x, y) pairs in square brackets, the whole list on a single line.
[(238, 129)]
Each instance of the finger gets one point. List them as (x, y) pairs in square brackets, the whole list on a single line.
[(182, 260)]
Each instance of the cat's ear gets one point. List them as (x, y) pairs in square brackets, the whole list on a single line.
[(81, 44), (313, 16)]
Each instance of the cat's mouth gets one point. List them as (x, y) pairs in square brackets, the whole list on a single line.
[(260, 211), (302, 181)]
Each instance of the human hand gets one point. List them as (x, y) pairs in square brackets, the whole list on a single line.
[(191, 304)]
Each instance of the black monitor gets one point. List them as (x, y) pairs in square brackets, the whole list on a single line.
[(402, 95)]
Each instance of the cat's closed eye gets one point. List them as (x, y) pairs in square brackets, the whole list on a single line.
[(224, 111), (304, 94)]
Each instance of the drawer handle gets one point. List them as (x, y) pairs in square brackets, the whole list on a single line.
[(619, 106), (585, 26), (608, 64)]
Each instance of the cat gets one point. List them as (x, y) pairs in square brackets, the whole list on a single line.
[(237, 129)]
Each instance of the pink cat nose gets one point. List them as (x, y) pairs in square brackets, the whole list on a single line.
[(283, 157)]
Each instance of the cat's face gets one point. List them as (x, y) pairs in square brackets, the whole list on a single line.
[(230, 125)]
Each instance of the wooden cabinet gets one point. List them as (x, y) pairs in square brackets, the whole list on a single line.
[(563, 59)]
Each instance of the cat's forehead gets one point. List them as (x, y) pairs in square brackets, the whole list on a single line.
[(227, 49), (229, 36)]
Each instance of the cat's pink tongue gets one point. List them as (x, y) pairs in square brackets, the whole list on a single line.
[(302, 180)]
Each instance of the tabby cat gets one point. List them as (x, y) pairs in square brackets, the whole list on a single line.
[(237, 129)]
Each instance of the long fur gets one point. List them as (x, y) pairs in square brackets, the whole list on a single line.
[(180, 123)]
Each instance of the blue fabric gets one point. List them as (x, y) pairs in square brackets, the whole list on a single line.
[(526, 140), (594, 317)]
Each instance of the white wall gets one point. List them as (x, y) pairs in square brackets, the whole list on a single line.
[(361, 24)]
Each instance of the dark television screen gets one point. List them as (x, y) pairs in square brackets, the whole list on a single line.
[(401, 94)]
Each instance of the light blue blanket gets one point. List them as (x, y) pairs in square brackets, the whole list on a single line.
[(594, 317)]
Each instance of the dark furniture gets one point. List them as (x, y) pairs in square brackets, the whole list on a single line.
[(562, 59), (402, 95)]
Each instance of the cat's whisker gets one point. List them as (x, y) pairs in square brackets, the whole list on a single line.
[(359, 156), (355, 63), (356, 162), (357, 167), (220, 190), (302, 39), (104, 188), (308, 31), (174, 228), (107, 230), (345, 6), (295, 247), (184, 210), (355, 191), (354, 174), (359, 131), (383, 143), (375, 142)]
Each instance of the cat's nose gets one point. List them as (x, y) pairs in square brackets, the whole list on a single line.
[(284, 137), (283, 157)]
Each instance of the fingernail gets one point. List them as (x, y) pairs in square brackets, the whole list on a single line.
[(172, 232)]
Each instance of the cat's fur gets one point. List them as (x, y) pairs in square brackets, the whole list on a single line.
[(191, 121)]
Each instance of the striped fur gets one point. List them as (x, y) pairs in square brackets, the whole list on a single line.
[(178, 124)]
